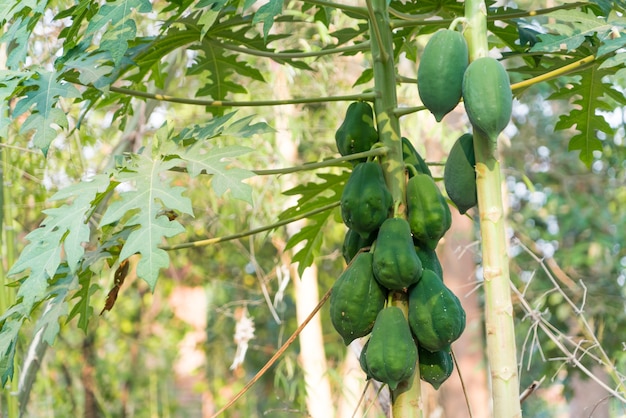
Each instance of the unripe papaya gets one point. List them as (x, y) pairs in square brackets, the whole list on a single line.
[(391, 353), (396, 265), (357, 132), (440, 72), (365, 201), (355, 299), (459, 174), (412, 157), (428, 212), (353, 242), (363, 361), (435, 368), (436, 316), (487, 96), (429, 260)]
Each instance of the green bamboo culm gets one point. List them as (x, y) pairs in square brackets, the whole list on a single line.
[(406, 397), (8, 399), (501, 349)]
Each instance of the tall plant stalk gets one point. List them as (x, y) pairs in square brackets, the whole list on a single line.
[(501, 350), (406, 399)]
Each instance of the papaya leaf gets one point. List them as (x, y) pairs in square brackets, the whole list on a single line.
[(8, 342), (313, 196), (218, 66), (63, 230), (43, 90), (83, 308), (122, 28), (313, 234), (267, 13), (571, 30), (199, 160), (143, 208), (592, 93)]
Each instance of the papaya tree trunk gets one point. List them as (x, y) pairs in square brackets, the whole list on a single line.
[(501, 350), (406, 399)]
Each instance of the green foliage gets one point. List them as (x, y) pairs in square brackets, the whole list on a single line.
[(313, 197), (136, 223), (122, 57), (42, 91)]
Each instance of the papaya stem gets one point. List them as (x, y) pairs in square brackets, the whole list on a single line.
[(398, 23), (406, 398), (232, 103), (499, 326), (343, 7), (455, 22), (293, 55), (566, 69), (217, 240), (375, 31), (376, 151)]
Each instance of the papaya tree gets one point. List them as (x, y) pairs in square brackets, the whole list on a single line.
[(111, 55)]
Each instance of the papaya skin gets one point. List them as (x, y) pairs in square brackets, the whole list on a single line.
[(391, 353), (459, 174), (436, 315), (395, 264), (487, 96), (356, 299), (440, 72), (365, 201), (435, 368), (427, 211), (357, 132)]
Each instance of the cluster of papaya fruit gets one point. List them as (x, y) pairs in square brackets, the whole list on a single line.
[(444, 76), (393, 254)]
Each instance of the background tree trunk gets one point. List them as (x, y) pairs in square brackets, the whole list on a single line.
[(312, 355)]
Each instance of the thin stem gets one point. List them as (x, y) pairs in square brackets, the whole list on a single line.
[(343, 7), (566, 69), (410, 17), (375, 29), (375, 152), (397, 23), (210, 241), (558, 342), (276, 355), (230, 103), (403, 111), (363, 46), (331, 162)]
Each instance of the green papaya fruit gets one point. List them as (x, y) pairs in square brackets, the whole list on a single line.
[(395, 263), (363, 361), (353, 242), (487, 96), (436, 316), (459, 174), (427, 210), (412, 157), (357, 132), (391, 354), (429, 260), (440, 72), (355, 299), (365, 200), (435, 368)]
